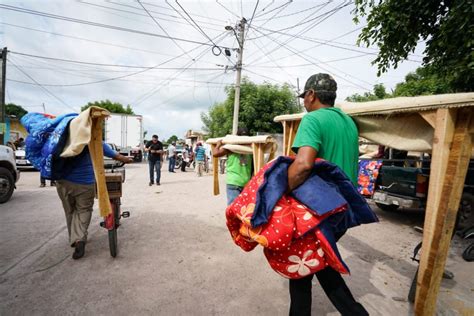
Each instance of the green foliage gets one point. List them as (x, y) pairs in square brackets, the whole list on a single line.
[(421, 82), (259, 104), (396, 27), (173, 138), (377, 94), (112, 107), (13, 109)]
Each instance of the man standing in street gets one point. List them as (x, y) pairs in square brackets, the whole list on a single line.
[(328, 133), (171, 156), (76, 190), (154, 148), (200, 154)]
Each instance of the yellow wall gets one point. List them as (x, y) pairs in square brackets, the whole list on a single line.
[(16, 130)]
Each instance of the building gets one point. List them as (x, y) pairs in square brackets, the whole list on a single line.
[(193, 137)]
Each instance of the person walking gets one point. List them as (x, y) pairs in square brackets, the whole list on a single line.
[(76, 189), (185, 159), (200, 156), (328, 133), (43, 182), (171, 156), (154, 148), (239, 168)]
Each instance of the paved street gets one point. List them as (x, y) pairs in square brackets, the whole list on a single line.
[(176, 257)]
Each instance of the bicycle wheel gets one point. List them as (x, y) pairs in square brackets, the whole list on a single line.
[(113, 242)]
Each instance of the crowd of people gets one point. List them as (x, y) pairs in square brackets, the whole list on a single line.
[(156, 154)]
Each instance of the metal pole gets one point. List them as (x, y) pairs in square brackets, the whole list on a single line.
[(238, 66), (2, 96)]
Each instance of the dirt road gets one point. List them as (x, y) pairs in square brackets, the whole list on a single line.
[(176, 257)]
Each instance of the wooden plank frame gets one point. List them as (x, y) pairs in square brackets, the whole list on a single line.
[(452, 149), (97, 156)]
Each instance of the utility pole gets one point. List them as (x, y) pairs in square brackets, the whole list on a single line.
[(238, 67), (3, 80)]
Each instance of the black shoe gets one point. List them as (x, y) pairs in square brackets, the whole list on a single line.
[(42, 185), (158, 183), (150, 184), (80, 250)]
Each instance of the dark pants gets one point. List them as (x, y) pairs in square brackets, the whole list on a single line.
[(183, 166), (43, 181), (154, 165), (171, 164), (333, 285)]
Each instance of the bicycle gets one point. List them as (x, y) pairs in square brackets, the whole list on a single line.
[(111, 222)]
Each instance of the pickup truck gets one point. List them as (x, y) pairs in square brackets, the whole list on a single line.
[(398, 186), (9, 175)]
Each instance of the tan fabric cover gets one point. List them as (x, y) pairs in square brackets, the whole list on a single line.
[(79, 134), (396, 122)]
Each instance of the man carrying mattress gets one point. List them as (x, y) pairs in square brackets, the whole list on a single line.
[(239, 168), (328, 133)]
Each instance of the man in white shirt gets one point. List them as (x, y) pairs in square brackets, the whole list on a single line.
[(171, 156)]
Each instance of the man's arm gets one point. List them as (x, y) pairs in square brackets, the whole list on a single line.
[(109, 152), (301, 167), (219, 151)]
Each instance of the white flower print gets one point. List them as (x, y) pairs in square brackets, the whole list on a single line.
[(307, 216), (301, 265)]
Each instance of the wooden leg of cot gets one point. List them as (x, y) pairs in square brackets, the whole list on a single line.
[(452, 146)]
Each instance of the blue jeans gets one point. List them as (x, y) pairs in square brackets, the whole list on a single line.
[(154, 165), (233, 192), (171, 164)]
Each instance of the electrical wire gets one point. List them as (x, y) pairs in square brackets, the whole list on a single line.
[(41, 86), (227, 9), (101, 25), (283, 5)]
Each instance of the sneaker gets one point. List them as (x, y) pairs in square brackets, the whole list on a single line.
[(158, 183), (79, 250), (150, 184), (42, 185)]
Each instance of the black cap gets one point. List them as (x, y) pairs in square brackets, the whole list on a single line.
[(319, 83)]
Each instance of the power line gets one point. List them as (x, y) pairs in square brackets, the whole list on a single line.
[(98, 64), (290, 14), (227, 9), (283, 5), (141, 14), (253, 15), (309, 64), (90, 23), (41, 86), (159, 25)]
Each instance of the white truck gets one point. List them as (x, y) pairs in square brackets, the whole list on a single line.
[(126, 132), (9, 174)]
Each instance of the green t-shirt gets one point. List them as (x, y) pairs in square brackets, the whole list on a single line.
[(334, 135), (239, 169)]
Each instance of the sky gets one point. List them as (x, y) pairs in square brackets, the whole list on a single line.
[(167, 58)]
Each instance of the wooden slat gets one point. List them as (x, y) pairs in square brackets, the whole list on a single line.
[(97, 157), (430, 117), (442, 208), (215, 171)]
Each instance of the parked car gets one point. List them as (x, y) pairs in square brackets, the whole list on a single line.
[(9, 173), (399, 186), (21, 162)]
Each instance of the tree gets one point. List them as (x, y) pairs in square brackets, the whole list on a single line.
[(259, 104), (421, 82), (173, 138), (396, 27), (112, 107), (378, 93), (13, 109)]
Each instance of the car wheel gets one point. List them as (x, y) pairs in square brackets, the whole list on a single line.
[(7, 184), (387, 208)]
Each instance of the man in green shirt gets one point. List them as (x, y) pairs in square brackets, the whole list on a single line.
[(239, 168), (325, 132)]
